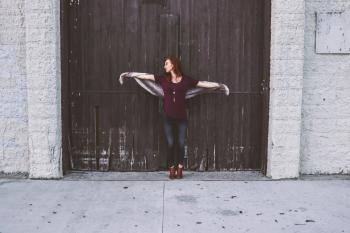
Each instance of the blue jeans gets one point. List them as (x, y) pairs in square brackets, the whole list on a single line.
[(174, 128)]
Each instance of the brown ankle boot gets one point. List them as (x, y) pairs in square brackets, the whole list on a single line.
[(172, 172), (179, 172)]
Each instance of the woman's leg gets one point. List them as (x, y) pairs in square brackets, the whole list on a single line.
[(182, 129), (169, 134)]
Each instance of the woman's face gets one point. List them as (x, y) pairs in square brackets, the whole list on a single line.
[(168, 66)]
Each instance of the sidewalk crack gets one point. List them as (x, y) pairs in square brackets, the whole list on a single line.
[(163, 208)]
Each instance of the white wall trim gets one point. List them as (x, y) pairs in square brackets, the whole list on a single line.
[(286, 66), (43, 70)]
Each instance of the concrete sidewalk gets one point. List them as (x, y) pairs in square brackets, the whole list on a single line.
[(312, 204)]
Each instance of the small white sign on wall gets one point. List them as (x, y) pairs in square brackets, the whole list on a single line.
[(333, 32)]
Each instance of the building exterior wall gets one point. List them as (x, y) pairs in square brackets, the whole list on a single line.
[(30, 101), (309, 126), (325, 138), (13, 89), (286, 75), (43, 67)]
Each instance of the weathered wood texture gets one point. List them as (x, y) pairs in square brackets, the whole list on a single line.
[(119, 128)]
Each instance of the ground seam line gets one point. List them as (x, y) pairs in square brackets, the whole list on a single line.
[(163, 207)]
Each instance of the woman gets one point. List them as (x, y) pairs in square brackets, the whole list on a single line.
[(175, 86)]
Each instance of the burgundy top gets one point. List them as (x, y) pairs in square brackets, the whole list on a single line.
[(174, 95)]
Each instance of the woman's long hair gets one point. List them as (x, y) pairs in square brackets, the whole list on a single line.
[(177, 67)]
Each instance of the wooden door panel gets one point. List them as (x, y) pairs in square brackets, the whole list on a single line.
[(120, 128)]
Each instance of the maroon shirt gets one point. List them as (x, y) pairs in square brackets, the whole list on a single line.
[(174, 95)]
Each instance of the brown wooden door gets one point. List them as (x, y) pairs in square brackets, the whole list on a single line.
[(119, 128)]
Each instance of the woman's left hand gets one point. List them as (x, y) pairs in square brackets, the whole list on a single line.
[(225, 88)]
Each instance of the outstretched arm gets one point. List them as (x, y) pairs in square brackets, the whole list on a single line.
[(138, 75), (207, 84), (145, 80), (146, 76), (213, 86)]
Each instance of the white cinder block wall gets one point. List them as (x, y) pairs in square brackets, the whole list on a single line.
[(43, 67), (30, 84), (13, 89), (325, 138), (286, 75)]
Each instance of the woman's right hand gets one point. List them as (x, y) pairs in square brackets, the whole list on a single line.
[(121, 77)]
